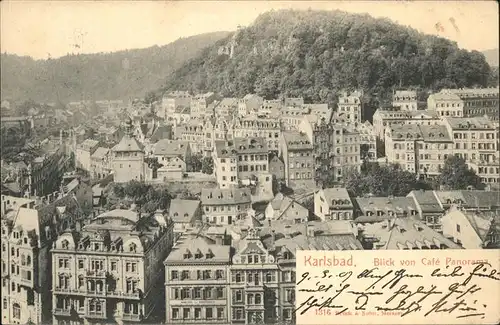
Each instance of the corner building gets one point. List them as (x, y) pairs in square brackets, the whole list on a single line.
[(111, 271)]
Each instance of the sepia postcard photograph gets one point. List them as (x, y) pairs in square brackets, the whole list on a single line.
[(249, 162)]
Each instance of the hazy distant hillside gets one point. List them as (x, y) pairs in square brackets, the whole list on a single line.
[(316, 54), (120, 74), (491, 57)]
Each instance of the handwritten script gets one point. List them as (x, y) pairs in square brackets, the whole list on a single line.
[(398, 287)]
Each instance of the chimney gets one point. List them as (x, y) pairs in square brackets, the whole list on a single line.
[(310, 230)]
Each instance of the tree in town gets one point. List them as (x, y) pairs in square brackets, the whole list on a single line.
[(194, 162), (456, 175), (207, 165)]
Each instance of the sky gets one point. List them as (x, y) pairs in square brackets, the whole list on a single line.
[(43, 29)]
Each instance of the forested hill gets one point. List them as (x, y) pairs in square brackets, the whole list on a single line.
[(316, 54), (116, 75)]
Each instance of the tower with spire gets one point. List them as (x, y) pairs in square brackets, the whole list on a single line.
[(128, 157)]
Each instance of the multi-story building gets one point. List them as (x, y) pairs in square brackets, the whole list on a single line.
[(252, 126), (112, 270), (29, 229), (367, 141), (277, 168), (45, 172), (446, 104), (286, 210), (249, 104), (225, 206), (333, 204), (172, 100), (270, 107), (400, 146), (432, 149), (406, 100), (388, 117), (165, 150), (351, 106), (197, 282), (254, 283), (478, 101), (239, 160), (185, 214), (476, 140), (298, 156), (199, 104), (227, 108), (100, 163), (127, 160), (322, 111), (194, 133)]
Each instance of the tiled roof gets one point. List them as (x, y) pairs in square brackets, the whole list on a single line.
[(470, 123), (183, 210), (161, 132), (408, 233), (167, 147), (297, 140), (481, 198), (88, 144), (100, 153), (197, 250), (219, 196), (432, 133), (445, 96), (336, 193), (128, 143), (427, 201), (240, 146), (397, 205)]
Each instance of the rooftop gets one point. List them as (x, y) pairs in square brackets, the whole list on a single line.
[(166, 147), (183, 210), (230, 196), (297, 140)]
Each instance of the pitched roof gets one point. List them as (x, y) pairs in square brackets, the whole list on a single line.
[(426, 200), (297, 140), (282, 204), (183, 210), (218, 196), (100, 153), (187, 252), (167, 147), (336, 193), (161, 132), (128, 143), (397, 205), (88, 144), (402, 233), (240, 146)]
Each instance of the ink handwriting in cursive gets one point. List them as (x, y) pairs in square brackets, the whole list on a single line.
[(313, 301)]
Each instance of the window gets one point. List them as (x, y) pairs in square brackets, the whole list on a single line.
[(197, 313), (185, 313), (220, 312), (174, 275), (16, 311), (219, 293), (458, 228), (80, 264), (113, 266), (208, 313)]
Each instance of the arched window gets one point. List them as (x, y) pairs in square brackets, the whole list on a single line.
[(16, 311)]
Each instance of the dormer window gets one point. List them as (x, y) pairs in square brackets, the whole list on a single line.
[(209, 254), (132, 248), (187, 254), (198, 254), (65, 244)]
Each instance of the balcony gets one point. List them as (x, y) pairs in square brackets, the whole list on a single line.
[(96, 274), (96, 293), (62, 312), (132, 317), (124, 295), (57, 290), (95, 314)]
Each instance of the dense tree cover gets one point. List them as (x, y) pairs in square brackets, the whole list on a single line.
[(207, 165), (194, 163), (116, 75), (382, 181), (148, 198), (456, 175), (316, 54)]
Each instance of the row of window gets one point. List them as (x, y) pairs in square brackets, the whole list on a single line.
[(482, 135), (198, 313), (304, 175), (198, 293), (198, 275), (98, 265)]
